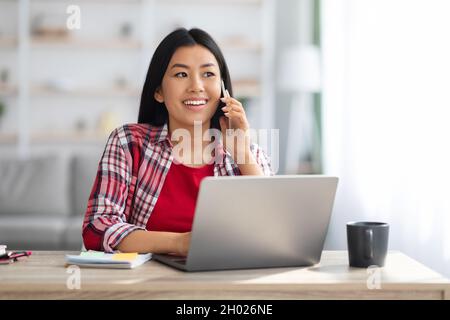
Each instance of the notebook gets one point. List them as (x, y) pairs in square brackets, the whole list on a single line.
[(98, 259)]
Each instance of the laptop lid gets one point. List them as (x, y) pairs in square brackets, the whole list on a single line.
[(255, 222)]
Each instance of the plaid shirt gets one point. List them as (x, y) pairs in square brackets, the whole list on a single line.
[(129, 179)]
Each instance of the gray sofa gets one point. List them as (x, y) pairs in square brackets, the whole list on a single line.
[(43, 200)]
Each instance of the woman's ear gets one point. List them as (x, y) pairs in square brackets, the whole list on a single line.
[(158, 95)]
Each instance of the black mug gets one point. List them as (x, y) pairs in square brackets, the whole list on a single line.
[(367, 243)]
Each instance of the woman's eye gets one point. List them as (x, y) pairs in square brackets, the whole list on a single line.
[(184, 74)]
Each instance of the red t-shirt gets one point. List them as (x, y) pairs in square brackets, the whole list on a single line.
[(174, 210)]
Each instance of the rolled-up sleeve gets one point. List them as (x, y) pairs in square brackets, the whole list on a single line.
[(262, 159), (105, 223)]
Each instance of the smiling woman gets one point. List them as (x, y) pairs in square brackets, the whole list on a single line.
[(144, 194)]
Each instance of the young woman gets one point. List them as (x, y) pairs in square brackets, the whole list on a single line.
[(144, 194)]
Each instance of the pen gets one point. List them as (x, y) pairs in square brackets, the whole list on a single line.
[(18, 254), (15, 254)]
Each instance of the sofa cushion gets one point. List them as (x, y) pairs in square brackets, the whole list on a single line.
[(35, 186), (32, 232), (83, 172), (73, 239)]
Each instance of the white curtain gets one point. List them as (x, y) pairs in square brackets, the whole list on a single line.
[(386, 120)]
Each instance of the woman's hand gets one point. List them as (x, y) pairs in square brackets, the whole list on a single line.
[(237, 140), (235, 114), (183, 243)]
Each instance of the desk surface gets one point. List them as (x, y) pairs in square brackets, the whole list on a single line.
[(45, 276)]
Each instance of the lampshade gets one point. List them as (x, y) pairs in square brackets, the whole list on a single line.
[(300, 69)]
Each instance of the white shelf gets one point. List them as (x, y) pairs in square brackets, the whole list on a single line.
[(7, 91), (94, 1), (8, 138), (240, 46), (125, 43), (44, 91), (8, 42), (57, 137), (69, 137), (213, 2), (242, 88), (46, 41), (209, 2)]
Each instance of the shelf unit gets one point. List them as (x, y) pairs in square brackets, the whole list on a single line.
[(154, 23)]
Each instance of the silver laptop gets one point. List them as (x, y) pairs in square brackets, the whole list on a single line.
[(258, 222)]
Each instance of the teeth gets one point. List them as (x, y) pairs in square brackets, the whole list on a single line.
[(195, 103)]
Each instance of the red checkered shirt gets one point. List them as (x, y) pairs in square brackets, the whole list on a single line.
[(129, 179)]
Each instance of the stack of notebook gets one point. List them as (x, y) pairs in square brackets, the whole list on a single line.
[(96, 259)]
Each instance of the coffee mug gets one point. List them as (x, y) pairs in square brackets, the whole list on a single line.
[(367, 243)]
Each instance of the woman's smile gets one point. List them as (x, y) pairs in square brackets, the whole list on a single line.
[(195, 104)]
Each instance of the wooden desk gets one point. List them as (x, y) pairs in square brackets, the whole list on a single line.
[(44, 276)]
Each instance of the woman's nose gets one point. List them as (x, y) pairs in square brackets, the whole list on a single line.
[(196, 84)]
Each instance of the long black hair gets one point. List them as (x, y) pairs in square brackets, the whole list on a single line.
[(154, 112)]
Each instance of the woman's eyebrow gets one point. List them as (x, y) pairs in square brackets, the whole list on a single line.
[(180, 65)]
